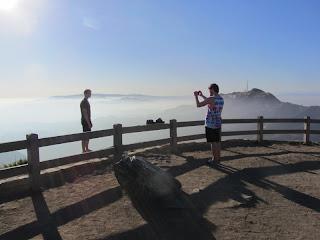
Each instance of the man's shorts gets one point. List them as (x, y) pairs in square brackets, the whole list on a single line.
[(85, 126), (213, 135)]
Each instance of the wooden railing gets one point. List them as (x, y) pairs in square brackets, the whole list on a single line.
[(33, 143)]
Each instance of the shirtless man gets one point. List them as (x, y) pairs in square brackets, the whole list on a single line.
[(86, 118)]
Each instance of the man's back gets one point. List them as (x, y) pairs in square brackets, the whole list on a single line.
[(213, 117), (85, 105)]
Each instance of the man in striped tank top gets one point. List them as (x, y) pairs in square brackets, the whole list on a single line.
[(213, 119)]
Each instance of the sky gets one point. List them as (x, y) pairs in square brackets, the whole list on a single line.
[(175, 47)]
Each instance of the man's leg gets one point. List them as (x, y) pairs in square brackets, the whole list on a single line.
[(212, 150), (87, 147), (216, 151), (83, 146)]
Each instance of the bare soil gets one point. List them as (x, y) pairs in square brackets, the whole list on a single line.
[(259, 191)]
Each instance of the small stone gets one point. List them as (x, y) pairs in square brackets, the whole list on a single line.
[(196, 190)]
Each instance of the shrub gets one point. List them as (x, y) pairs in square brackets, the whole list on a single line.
[(16, 163)]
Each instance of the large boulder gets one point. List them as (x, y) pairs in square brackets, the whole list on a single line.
[(143, 179), (158, 198)]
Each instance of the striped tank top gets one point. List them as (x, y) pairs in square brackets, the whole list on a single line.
[(213, 117)]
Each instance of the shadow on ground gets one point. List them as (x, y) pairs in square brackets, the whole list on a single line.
[(232, 186), (47, 223)]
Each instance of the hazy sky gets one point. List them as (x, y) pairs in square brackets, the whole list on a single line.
[(60, 47)]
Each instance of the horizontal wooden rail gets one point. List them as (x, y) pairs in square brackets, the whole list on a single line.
[(284, 120), (283, 131), (234, 121), (239, 133), (32, 144), (145, 128), (76, 158), (74, 137), (24, 169), (14, 171), (146, 144), (224, 121), (314, 131), (203, 136), (191, 137), (190, 124), (13, 146), (314, 120)]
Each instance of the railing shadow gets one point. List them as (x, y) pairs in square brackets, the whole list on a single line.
[(47, 224), (48, 227), (265, 155), (233, 185)]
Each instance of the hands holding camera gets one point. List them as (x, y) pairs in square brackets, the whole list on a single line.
[(198, 93)]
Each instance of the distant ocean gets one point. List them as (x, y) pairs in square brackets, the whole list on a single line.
[(61, 116)]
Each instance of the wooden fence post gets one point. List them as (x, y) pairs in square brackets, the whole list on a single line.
[(117, 142), (306, 137), (173, 136), (260, 129), (33, 161)]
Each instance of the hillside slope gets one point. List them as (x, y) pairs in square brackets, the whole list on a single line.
[(252, 104)]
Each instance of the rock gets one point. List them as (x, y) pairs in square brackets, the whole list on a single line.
[(158, 198), (145, 180)]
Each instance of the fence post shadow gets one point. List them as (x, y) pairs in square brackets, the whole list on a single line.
[(47, 225)]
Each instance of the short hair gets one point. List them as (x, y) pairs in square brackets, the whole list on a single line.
[(86, 91), (215, 87)]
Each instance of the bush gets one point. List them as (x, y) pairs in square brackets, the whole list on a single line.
[(16, 163)]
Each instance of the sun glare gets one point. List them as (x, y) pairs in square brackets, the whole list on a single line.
[(8, 5)]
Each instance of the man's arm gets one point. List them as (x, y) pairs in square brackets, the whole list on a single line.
[(205, 102), (201, 95), (86, 117)]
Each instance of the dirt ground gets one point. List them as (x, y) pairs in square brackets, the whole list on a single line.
[(259, 191)]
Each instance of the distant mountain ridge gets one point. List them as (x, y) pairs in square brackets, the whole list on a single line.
[(252, 104), (259, 103), (254, 94), (248, 104)]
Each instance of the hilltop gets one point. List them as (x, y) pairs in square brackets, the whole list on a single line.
[(259, 103), (248, 104), (252, 104), (259, 191), (254, 95)]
